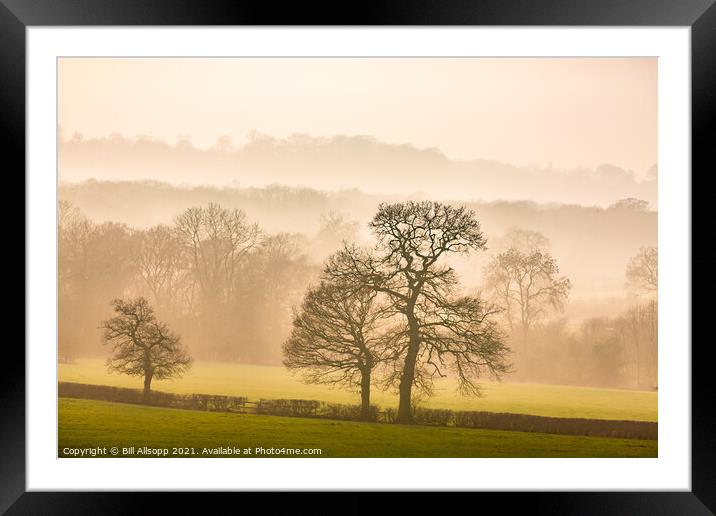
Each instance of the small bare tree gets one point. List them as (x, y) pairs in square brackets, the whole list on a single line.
[(335, 339), (643, 270), (141, 345)]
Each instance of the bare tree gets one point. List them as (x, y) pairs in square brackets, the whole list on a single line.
[(73, 230), (525, 285), (142, 345), (73, 238), (439, 330), (643, 270), (639, 327), (161, 264), (283, 267), (217, 240), (335, 339)]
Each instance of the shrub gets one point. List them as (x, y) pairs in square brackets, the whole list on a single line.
[(291, 408), (156, 398), (347, 412), (423, 416), (554, 425), (432, 417), (389, 415)]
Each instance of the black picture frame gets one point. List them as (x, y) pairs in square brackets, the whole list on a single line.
[(699, 15)]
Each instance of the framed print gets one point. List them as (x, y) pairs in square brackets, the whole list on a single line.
[(417, 250)]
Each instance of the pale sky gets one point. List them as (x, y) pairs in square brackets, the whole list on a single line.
[(568, 112)]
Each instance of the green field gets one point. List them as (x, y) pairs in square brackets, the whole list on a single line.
[(89, 424), (267, 382)]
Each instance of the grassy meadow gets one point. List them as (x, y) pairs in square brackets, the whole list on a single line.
[(268, 382), (88, 424)]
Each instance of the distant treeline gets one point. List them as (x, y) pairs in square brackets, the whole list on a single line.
[(592, 243), (339, 162), (319, 409)]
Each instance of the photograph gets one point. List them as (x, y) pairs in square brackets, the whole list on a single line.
[(349, 257)]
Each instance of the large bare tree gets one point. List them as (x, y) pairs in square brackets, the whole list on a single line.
[(336, 340), (525, 285), (440, 329), (142, 345)]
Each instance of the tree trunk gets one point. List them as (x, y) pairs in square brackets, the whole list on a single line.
[(405, 411), (365, 396), (147, 385)]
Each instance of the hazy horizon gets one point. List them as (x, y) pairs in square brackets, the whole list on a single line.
[(568, 112)]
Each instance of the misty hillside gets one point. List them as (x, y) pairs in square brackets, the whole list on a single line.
[(592, 244), (342, 162)]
